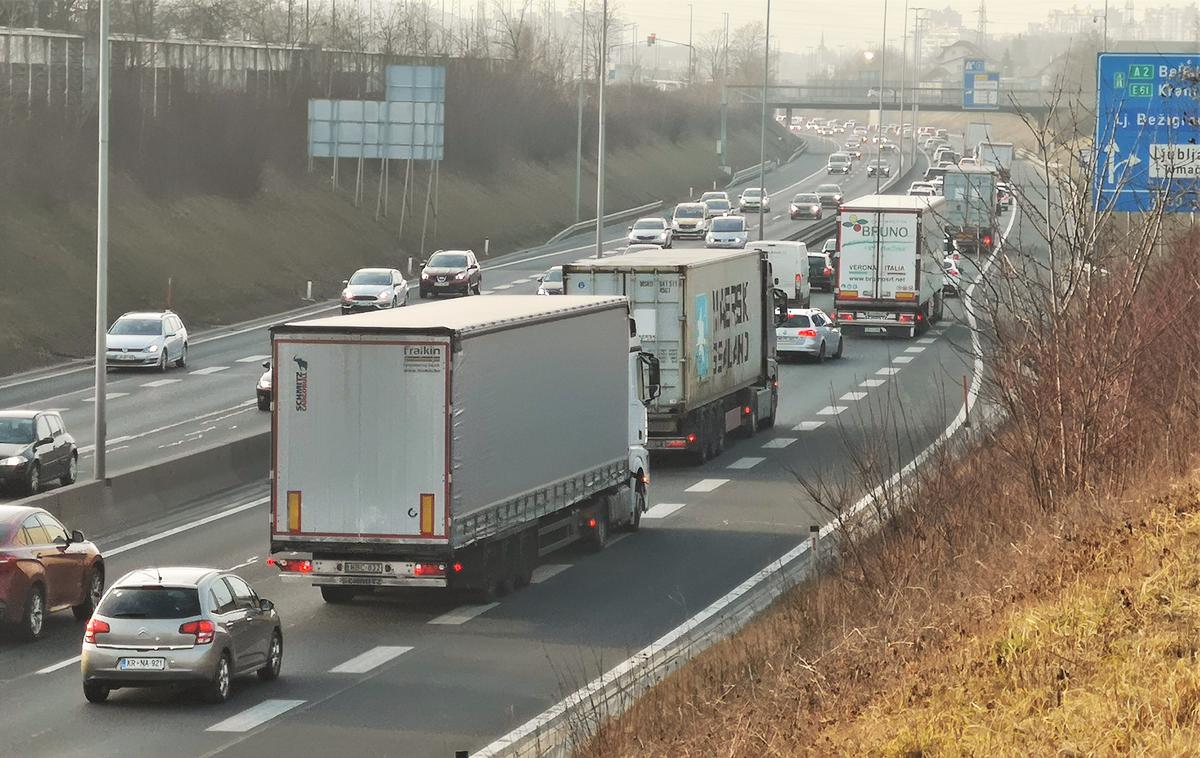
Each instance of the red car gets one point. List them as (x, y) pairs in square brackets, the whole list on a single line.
[(44, 568)]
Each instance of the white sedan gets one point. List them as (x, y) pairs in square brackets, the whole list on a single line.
[(651, 230), (727, 231), (809, 332)]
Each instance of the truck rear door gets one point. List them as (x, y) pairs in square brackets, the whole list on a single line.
[(879, 255), (361, 439)]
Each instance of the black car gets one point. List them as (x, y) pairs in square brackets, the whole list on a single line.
[(35, 448), (451, 271), (820, 271), (830, 194)]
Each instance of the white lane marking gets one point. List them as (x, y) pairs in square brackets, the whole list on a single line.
[(745, 463), (57, 410), (706, 485), (243, 564), (207, 371), (914, 349), (548, 570), (831, 410), (662, 510), (60, 665), (888, 371), (160, 382), (373, 658), (185, 527), (567, 251), (107, 396), (872, 382), (244, 406), (644, 661), (927, 340), (503, 286), (253, 359), (462, 614), (255, 715), (778, 442), (902, 359), (853, 396), (807, 426), (488, 292), (521, 281)]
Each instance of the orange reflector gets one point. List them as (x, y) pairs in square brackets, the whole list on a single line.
[(426, 513), (906, 296), (293, 510), (848, 294)]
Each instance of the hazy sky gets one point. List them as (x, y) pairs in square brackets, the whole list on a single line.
[(796, 25)]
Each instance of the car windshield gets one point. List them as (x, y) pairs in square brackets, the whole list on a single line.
[(829, 188), (878, 164), (16, 430), (553, 275), (839, 158), (143, 326), (797, 320), (712, 196), (805, 199), (448, 260), (371, 277), (718, 205), (729, 224), (150, 603), (752, 193), (689, 212), (649, 223)]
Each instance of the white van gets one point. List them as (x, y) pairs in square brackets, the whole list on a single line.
[(789, 268)]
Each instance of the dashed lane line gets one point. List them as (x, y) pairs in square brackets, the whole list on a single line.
[(160, 383), (255, 715), (927, 340), (253, 359), (372, 659), (550, 570), (807, 426), (706, 485), (872, 382), (888, 371), (107, 396), (778, 443), (60, 665), (902, 359), (831, 410), (463, 614), (208, 371), (853, 396), (746, 463), (914, 349), (662, 510)]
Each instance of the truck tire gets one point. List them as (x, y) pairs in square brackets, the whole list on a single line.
[(337, 595), (639, 504), (597, 536)]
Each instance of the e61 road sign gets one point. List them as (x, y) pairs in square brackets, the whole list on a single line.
[(1147, 125), (981, 88)]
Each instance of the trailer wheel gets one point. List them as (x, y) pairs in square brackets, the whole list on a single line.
[(597, 536)]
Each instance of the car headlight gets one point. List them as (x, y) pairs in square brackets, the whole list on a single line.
[(541, 290), (383, 295), (461, 275), (16, 460), (152, 348), (346, 296), (264, 383)]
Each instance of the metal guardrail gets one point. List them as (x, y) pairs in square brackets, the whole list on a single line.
[(741, 176), (608, 217)]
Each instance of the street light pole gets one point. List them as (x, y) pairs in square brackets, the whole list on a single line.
[(600, 136), (691, 50), (579, 116), (882, 79), (101, 425), (762, 135), (903, 81)]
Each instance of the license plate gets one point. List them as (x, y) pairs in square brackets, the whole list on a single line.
[(357, 567), (142, 664), (441, 284), (124, 357), (875, 330)]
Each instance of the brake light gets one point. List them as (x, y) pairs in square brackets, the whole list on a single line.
[(294, 566), (827, 271), (905, 318), (843, 316), (920, 317), (799, 279), (691, 438), (429, 569), (95, 626), (458, 567), (747, 410), (675, 444), (591, 523), (806, 332), (203, 630), (987, 240)]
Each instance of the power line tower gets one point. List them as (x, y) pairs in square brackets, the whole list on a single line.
[(981, 29)]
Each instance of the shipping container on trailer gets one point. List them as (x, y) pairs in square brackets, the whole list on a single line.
[(889, 272), (970, 212), (449, 445), (709, 317)]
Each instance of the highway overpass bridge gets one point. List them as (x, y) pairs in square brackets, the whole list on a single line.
[(857, 96)]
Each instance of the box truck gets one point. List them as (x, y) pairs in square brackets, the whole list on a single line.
[(709, 317), (453, 444), (998, 154), (977, 131), (970, 211), (889, 273)]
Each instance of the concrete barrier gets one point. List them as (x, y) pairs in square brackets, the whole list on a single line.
[(140, 495)]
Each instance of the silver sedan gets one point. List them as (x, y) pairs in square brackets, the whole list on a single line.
[(196, 626), (809, 332)]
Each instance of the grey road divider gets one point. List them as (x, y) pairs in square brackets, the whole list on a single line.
[(608, 218), (138, 496)]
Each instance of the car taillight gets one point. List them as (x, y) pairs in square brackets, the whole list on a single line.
[(843, 316), (429, 569), (806, 332), (828, 271), (987, 240), (296, 566), (95, 626), (691, 438), (799, 279), (203, 630), (905, 318)]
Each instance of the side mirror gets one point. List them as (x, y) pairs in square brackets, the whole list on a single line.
[(264, 605), (630, 228), (541, 278), (345, 282), (77, 536), (651, 376), (781, 306), (46, 441), (266, 364)]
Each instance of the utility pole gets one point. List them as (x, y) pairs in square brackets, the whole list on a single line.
[(579, 117), (691, 50), (600, 137), (762, 135), (903, 82), (725, 53), (882, 80), (101, 422)]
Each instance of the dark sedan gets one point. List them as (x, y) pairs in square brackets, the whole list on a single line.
[(830, 194), (805, 205), (44, 568), (451, 271), (35, 447)]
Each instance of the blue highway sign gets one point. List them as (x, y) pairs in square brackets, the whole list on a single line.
[(1147, 124), (981, 88)]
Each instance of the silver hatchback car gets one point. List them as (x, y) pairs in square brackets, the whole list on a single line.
[(198, 626)]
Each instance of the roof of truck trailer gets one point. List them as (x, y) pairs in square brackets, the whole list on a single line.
[(664, 258), (893, 202), (460, 314)]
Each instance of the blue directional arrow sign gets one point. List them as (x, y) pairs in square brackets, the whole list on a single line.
[(981, 88), (1147, 131)]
